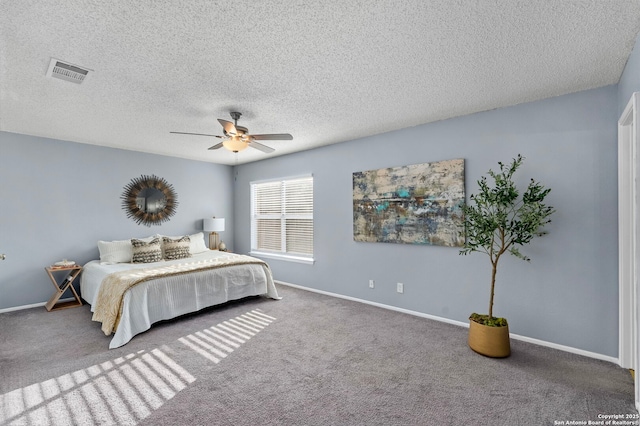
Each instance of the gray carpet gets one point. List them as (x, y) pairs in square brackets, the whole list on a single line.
[(307, 359)]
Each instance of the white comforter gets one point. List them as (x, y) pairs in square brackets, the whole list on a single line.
[(169, 297)]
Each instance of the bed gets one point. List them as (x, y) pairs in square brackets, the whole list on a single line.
[(170, 295)]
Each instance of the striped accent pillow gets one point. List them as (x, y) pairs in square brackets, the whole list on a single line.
[(146, 252), (177, 248)]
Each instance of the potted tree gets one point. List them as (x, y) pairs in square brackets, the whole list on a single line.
[(496, 221)]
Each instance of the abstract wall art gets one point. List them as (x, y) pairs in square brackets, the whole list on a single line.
[(416, 204)]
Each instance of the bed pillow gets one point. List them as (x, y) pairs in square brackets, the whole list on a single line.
[(176, 248), (197, 243), (115, 252), (146, 252)]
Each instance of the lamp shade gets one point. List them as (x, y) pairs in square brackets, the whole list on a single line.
[(235, 144), (213, 225)]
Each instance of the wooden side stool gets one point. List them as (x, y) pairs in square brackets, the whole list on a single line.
[(71, 272)]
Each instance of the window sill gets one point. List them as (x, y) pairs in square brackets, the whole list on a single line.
[(285, 257)]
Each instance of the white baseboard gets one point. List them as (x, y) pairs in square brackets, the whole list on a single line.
[(34, 305), (460, 324)]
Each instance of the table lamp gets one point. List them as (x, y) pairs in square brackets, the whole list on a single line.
[(213, 226)]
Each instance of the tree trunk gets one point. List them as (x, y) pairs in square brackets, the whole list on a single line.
[(494, 269)]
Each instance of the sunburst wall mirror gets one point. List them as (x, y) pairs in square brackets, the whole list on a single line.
[(149, 200)]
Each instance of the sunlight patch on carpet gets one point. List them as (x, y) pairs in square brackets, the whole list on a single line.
[(216, 342), (128, 389), (122, 391)]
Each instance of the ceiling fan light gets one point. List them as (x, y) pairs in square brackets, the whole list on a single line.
[(234, 144)]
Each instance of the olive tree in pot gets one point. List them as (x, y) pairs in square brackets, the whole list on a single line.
[(499, 220)]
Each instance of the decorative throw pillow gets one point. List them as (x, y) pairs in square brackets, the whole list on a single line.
[(176, 248), (146, 252), (197, 243)]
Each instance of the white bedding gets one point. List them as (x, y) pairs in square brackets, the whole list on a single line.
[(169, 297)]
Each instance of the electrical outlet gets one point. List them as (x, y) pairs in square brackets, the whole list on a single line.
[(372, 284), (400, 288)]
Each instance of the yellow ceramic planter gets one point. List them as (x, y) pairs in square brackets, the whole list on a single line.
[(489, 341)]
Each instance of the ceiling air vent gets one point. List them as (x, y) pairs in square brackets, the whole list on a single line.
[(66, 71)]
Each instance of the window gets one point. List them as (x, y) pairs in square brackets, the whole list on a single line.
[(282, 218)]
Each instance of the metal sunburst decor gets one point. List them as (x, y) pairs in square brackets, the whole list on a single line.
[(149, 200)]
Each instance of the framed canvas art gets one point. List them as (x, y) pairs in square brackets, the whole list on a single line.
[(415, 204)]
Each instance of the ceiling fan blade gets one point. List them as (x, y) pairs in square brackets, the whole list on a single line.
[(260, 147), (217, 146), (273, 137), (228, 127), (197, 134)]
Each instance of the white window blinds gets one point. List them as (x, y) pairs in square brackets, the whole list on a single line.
[(282, 217)]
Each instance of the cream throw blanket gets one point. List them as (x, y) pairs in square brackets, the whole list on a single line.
[(108, 306)]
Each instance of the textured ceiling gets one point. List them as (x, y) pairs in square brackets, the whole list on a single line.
[(325, 71)]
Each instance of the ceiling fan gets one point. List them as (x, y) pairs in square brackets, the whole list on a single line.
[(236, 138)]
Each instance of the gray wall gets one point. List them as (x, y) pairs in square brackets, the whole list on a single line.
[(59, 198), (567, 295)]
